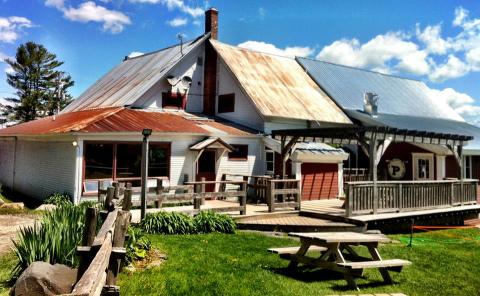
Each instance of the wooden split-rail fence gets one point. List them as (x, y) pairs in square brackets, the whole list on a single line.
[(102, 253)]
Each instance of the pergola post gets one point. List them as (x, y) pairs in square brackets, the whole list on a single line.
[(285, 151), (144, 171), (373, 169)]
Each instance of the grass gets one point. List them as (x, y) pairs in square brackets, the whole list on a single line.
[(7, 263), (444, 263)]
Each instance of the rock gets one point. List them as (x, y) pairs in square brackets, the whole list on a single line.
[(13, 205), (42, 278), (46, 207)]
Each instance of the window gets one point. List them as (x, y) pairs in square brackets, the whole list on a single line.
[(240, 153), (226, 103), (129, 160), (423, 166), (269, 161), (173, 100), (98, 161), (158, 160)]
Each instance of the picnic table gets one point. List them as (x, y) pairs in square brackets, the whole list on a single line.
[(337, 254)]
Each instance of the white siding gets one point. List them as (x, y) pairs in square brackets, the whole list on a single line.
[(252, 166), (245, 112), (7, 147), (283, 124), (187, 67), (42, 168)]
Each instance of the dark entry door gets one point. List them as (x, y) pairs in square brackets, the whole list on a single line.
[(206, 168)]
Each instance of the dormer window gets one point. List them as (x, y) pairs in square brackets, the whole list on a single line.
[(174, 100), (226, 103)]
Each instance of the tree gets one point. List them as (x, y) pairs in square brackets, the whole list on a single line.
[(41, 88)]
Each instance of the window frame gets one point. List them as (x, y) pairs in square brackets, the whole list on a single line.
[(431, 165), (226, 107), (238, 158), (267, 171), (169, 95)]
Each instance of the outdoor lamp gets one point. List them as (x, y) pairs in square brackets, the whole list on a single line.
[(146, 132), (74, 143)]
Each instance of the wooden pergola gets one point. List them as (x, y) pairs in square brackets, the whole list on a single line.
[(373, 140)]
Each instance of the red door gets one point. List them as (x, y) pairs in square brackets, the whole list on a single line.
[(206, 168), (319, 181)]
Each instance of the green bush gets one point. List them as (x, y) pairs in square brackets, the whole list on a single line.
[(58, 199), (178, 223), (137, 245), (168, 223), (53, 240), (209, 221)]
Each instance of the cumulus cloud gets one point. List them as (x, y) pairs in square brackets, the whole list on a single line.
[(175, 5), (113, 21), (288, 51), (178, 22), (453, 68), (11, 28), (462, 103)]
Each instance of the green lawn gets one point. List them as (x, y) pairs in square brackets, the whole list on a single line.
[(445, 263), (7, 263)]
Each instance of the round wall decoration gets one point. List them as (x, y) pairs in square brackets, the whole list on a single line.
[(396, 168)]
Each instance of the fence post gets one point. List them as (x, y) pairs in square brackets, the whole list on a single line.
[(271, 196), (243, 198), (127, 200), (109, 199), (196, 200), (299, 196), (400, 197), (85, 254), (203, 186), (100, 191), (118, 250), (116, 186), (349, 200)]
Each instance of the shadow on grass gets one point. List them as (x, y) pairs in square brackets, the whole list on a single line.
[(309, 275)]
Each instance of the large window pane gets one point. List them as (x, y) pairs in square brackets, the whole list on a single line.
[(129, 160), (158, 161), (98, 161)]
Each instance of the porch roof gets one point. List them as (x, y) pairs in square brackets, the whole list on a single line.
[(212, 142)]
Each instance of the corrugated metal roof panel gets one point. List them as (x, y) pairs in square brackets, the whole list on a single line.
[(399, 96), (119, 119), (278, 86), (436, 125), (128, 81)]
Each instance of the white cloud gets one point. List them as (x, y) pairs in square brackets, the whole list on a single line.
[(176, 4), (272, 49), (178, 22), (134, 54), (453, 68), (460, 15), (431, 37), (462, 103), (113, 21), (11, 28)]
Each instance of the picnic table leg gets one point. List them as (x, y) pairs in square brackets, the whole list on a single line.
[(372, 248), (346, 275), (302, 251)]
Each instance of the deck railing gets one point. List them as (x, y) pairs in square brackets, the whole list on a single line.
[(398, 196), (355, 174)]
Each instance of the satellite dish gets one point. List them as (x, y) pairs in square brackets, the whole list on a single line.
[(186, 81), (172, 80)]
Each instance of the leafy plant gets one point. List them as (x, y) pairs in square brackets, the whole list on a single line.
[(168, 223), (53, 240), (59, 199), (178, 223), (138, 245), (209, 221)]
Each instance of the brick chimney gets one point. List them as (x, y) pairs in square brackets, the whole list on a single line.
[(210, 68), (211, 22)]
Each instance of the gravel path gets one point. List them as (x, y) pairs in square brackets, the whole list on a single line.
[(9, 226)]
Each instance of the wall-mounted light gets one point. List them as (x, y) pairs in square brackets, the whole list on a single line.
[(74, 143), (146, 132)]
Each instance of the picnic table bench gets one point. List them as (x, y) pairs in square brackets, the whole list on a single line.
[(335, 248)]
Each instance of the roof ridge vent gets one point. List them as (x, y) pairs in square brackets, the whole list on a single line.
[(370, 103)]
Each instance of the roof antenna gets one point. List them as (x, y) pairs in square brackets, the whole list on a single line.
[(180, 37)]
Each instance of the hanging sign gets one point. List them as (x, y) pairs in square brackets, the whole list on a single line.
[(396, 168)]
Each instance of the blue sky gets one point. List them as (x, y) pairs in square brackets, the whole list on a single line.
[(434, 41)]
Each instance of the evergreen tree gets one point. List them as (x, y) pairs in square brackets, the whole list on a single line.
[(41, 88)]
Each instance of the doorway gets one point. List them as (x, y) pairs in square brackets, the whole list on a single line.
[(206, 168)]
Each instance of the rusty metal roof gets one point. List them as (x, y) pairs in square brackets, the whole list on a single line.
[(128, 81), (120, 119), (278, 86)]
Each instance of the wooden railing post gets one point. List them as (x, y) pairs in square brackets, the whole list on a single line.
[(196, 197), (400, 197), (116, 192), (108, 205), (158, 192), (298, 198), (118, 250), (349, 202), (203, 186), (452, 193), (243, 198), (85, 254), (271, 196)]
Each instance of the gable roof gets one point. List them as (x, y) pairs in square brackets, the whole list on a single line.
[(128, 81), (278, 86), (120, 119), (399, 96)]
